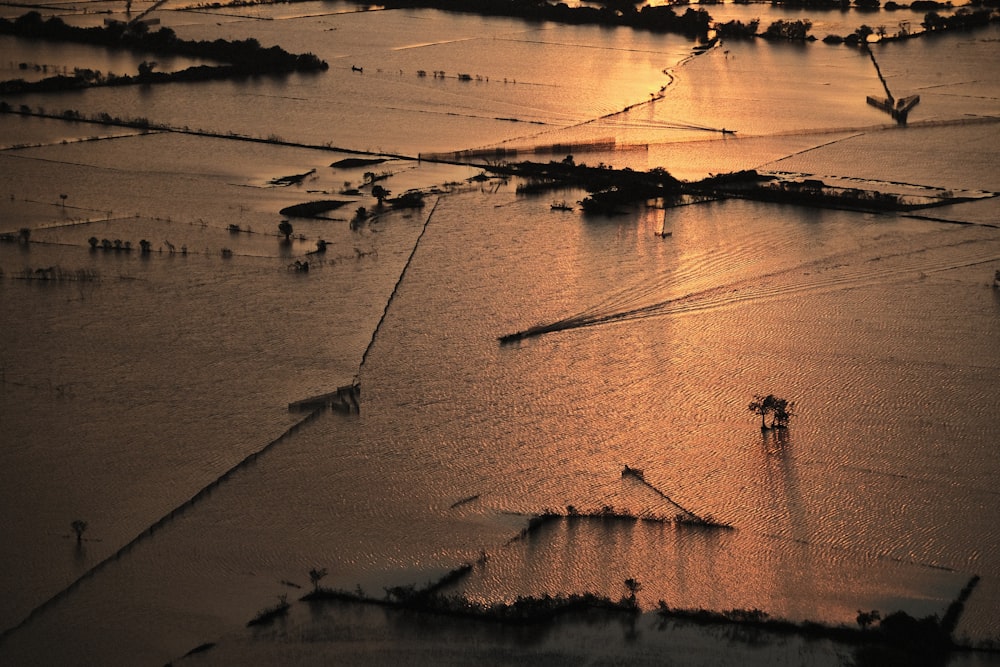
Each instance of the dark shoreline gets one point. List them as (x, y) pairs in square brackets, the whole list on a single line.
[(241, 58), (896, 638)]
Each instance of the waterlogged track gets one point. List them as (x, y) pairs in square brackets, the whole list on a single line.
[(846, 271)]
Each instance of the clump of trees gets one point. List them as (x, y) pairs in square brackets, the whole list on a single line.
[(779, 409), (409, 199), (736, 29), (661, 18), (241, 57), (792, 31), (964, 18)]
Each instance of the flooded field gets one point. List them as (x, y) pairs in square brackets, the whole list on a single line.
[(147, 393)]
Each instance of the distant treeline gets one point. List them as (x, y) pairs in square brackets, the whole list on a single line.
[(786, 30), (241, 57), (697, 22), (693, 22)]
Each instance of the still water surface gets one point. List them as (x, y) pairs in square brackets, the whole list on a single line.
[(125, 396)]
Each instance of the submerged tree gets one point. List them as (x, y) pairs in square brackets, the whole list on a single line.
[(146, 68), (285, 227), (315, 575), (632, 587), (867, 618), (788, 30), (780, 409), (359, 216), (380, 193), (783, 412), (78, 526)]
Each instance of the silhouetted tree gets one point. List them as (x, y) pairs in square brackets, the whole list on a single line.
[(866, 618), (862, 33), (933, 21), (632, 587), (360, 216), (780, 409), (783, 412), (380, 193), (315, 575), (146, 68), (285, 227), (78, 526), (763, 406), (738, 30)]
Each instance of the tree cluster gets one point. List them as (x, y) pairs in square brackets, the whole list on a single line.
[(736, 29), (963, 19), (243, 57), (791, 31), (779, 409), (661, 18)]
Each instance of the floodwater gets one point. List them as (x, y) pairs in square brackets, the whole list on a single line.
[(137, 388)]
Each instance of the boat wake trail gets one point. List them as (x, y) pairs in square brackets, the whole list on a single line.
[(825, 275)]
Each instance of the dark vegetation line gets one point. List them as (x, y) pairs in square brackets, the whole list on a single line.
[(683, 519), (142, 123), (399, 281), (242, 57), (686, 516), (693, 22), (896, 638), (696, 23), (162, 522)]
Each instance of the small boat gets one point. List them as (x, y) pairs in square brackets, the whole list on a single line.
[(561, 206)]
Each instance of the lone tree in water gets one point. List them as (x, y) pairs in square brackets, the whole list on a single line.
[(380, 193), (780, 409), (78, 526), (285, 228), (315, 575), (632, 587)]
